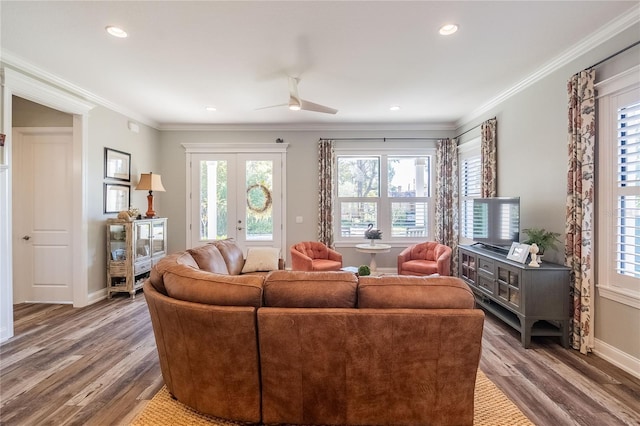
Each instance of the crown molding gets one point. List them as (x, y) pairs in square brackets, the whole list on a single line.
[(14, 61), (610, 30), (309, 127)]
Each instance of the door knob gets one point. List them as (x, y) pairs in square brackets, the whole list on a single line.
[(26, 238)]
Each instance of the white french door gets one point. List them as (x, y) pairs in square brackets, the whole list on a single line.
[(238, 196)]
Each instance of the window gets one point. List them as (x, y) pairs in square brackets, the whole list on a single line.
[(470, 185), (391, 191), (618, 181)]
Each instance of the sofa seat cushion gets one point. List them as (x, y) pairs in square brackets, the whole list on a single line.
[(193, 285), (414, 292), (209, 258), (301, 289), (419, 267)]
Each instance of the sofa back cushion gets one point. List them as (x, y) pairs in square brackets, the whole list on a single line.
[(209, 259), (300, 289), (232, 254), (414, 292), (193, 285)]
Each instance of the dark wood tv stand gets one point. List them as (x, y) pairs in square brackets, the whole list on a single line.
[(534, 301)]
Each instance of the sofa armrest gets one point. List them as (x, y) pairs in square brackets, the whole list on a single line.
[(300, 262), (334, 255), (404, 256), (444, 260)]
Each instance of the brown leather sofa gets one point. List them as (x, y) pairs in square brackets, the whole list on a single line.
[(425, 258), (316, 347)]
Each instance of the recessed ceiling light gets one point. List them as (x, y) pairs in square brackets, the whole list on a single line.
[(210, 108), (394, 108), (448, 29), (117, 32)]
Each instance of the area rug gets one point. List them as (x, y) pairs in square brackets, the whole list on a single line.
[(492, 408)]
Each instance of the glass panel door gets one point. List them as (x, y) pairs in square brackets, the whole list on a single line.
[(236, 196)]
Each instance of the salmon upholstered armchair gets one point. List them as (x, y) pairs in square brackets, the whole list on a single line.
[(314, 256), (425, 259)]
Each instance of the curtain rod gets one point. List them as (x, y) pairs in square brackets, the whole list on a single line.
[(473, 128), (382, 139), (611, 56)]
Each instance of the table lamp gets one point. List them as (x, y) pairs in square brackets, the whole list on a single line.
[(150, 182)]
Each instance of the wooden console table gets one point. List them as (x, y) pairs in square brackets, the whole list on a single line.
[(534, 301)]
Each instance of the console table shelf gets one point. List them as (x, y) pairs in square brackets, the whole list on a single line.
[(534, 301)]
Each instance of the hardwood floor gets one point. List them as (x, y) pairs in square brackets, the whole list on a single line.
[(98, 366)]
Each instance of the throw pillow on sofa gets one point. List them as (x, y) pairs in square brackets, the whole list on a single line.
[(261, 259)]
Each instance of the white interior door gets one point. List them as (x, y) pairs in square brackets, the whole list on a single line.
[(237, 196), (42, 226)]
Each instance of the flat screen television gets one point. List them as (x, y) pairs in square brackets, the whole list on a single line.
[(496, 221)]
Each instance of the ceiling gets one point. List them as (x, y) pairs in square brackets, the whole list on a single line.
[(359, 57)]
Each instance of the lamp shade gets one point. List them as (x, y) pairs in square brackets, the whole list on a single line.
[(150, 182)]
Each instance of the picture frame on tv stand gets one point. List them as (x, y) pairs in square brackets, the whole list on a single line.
[(518, 252)]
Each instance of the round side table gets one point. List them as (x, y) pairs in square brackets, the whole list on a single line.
[(373, 249)]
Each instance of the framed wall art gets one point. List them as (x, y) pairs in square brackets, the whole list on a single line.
[(117, 197), (518, 252), (117, 165)]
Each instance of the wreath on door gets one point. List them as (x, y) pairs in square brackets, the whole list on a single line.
[(259, 208)]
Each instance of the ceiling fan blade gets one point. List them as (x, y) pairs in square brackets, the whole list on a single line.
[(310, 106), (271, 106)]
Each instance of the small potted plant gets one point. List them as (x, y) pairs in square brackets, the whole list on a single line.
[(542, 238), (363, 270)]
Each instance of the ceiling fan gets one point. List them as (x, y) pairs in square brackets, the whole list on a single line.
[(296, 103)]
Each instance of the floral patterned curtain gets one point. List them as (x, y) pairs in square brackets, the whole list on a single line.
[(488, 131), (580, 205), (326, 167), (447, 222)]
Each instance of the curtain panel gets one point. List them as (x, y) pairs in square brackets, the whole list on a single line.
[(326, 169), (447, 220), (488, 154), (580, 205)]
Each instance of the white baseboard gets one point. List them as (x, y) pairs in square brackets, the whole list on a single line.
[(97, 296), (618, 358)]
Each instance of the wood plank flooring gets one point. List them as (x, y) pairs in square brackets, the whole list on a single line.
[(98, 366)]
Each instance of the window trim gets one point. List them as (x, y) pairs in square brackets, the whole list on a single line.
[(384, 153), (607, 283)]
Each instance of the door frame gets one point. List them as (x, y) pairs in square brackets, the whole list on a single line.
[(237, 148), (18, 84)]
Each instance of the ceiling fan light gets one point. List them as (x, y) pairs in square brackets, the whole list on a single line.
[(294, 105), (448, 29)]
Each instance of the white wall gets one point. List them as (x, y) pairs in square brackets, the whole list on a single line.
[(110, 129), (302, 178)]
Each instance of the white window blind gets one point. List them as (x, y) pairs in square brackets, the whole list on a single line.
[(628, 191), (470, 183)]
